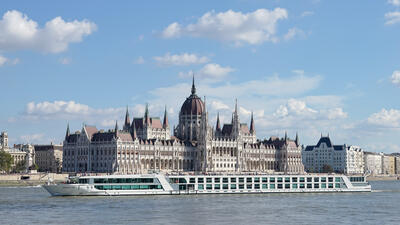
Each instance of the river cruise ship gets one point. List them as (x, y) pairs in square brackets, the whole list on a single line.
[(160, 184)]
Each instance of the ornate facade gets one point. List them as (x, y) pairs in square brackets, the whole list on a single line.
[(146, 145)]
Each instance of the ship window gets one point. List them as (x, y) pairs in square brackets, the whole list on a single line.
[(126, 187), (330, 185), (330, 179), (264, 179), (287, 179), (225, 186), (201, 187), (309, 179), (316, 185), (241, 186), (249, 180), (272, 186), (217, 186), (217, 180), (302, 186), (225, 180), (200, 180), (233, 186), (209, 180), (280, 186), (279, 179), (337, 185), (256, 186), (264, 186), (272, 179), (83, 181), (256, 179), (209, 186), (249, 186), (316, 179), (323, 179), (294, 186), (241, 179), (309, 185), (192, 180), (181, 180), (323, 185), (233, 179), (182, 187), (294, 179), (287, 186)]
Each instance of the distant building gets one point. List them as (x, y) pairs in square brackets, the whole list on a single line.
[(389, 165), (3, 140), (146, 145), (21, 152), (373, 163), (340, 158), (49, 158)]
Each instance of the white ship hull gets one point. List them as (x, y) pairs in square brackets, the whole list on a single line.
[(157, 184)]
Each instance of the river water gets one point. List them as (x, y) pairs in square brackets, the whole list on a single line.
[(33, 205)]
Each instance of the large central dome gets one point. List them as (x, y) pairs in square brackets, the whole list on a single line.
[(193, 105)]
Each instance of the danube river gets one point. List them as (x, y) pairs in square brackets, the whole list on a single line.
[(33, 205)]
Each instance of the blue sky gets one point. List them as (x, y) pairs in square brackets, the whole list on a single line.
[(302, 66)]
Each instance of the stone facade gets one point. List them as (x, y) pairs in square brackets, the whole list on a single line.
[(341, 158), (49, 157), (373, 163), (20, 152), (146, 145)]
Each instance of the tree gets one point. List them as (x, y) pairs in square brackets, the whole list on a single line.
[(20, 166), (6, 161), (327, 169)]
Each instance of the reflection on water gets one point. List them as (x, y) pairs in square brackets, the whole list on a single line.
[(33, 205)]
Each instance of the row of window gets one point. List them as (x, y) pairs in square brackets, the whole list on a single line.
[(255, 179), (121, 180), (128, 187), (264, 186)]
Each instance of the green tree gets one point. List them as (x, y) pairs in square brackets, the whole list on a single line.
[(20, 166), (6, 161), (327, 169)]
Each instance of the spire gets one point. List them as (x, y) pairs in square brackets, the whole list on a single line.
[(218, 127), (285, 135), (165, 122), (236, 111), (127, 120), (67, 133), (116, 128), (252, 128), (193, 87), (297, 139), (146, 115)]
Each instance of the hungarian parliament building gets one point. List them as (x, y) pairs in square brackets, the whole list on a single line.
[(146, 145)]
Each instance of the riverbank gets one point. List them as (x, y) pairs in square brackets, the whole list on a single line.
[(383, 178), (30, 179)]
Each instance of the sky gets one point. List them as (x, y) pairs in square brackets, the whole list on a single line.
[(311, 66)]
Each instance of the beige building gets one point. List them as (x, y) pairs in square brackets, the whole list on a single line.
[(49, 157), (388, 164), (146, 145)]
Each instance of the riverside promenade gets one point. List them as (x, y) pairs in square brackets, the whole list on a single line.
[(30, 179)]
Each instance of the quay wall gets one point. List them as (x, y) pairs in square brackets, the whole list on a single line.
[(30, 179)]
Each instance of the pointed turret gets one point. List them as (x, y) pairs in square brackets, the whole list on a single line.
[(297, 139), (146, 115), (218, 126), (252, 128), (165, 122), (116, 129), (134, 135), (67, 133), (193, 87), (127, 120), (285, 135)]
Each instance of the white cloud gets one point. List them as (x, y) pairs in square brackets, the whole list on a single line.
[(139, 60), (218, 105), (237, 27), (3, 60), (385, 118), (65, 61), (394, 2), (211, 72), (396, 78), (7, 61), (294, 32), (31, 138), (183, 59), (392, 18), (18, 32)]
